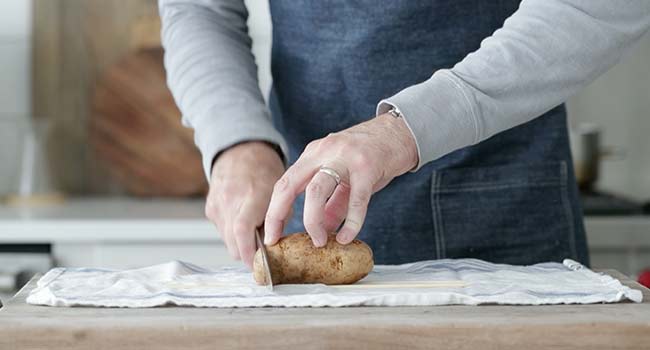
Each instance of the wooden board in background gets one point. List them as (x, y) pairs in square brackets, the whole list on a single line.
[(136, 130), (73, 42)]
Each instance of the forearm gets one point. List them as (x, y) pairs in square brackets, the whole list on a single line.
[(212, 74), (545, 52)]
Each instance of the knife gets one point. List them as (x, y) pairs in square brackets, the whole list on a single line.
[(265, 261)]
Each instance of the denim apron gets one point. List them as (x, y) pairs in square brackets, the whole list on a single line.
[(510, 199)]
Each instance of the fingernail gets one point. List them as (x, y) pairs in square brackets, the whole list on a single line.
[(270, 231), (343, 237), (318, 242)]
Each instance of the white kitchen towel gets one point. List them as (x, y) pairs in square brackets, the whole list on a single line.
[(435, 282)]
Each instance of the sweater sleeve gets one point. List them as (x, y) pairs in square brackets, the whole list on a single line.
[(212, 74), (544, 53)]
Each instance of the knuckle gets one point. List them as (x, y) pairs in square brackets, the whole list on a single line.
[(240, 228), (211, 211), (352, 143), (360, 200), (330, 140), (326, 142), (361, 161), (345, 151), (353, 225), (312, 146), (208, 211), (314, 189), (357, 203), (282, 184), (229, 191)]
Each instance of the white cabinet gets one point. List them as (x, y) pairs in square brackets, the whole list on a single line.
[(118, 233)]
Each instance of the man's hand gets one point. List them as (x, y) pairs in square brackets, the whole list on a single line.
[(241, 184), (367, 157)]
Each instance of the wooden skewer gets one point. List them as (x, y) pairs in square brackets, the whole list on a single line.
[(407, 284)]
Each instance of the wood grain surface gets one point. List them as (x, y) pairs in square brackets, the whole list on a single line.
[(136, 129), (597, 326), (73, 42)]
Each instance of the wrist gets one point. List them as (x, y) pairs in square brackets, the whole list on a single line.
[(406, 146), (261, 154)]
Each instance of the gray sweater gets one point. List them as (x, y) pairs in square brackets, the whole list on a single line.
[(544, 53)]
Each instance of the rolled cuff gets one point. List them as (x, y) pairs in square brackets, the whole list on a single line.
[(438, 113), (383, 107)]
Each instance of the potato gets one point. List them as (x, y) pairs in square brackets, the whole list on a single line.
[(294, 259)]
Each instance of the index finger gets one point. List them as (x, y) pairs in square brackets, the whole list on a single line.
[(285, 191), (244, 226)]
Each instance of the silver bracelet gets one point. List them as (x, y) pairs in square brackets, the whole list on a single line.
[(395, 112)]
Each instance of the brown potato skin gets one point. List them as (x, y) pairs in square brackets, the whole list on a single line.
[(295, 260)]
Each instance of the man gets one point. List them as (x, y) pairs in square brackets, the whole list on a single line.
[(467, 161)]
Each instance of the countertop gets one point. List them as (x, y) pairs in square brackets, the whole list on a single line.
[(107, 219), (160, 220), (596, 326)]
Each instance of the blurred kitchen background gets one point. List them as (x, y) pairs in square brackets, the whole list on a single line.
[(96, 169)]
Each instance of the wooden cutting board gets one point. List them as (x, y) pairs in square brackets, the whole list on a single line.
[(73, 42), (595, 326), (135, 129)]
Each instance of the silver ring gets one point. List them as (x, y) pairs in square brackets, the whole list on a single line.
[(331, 172)]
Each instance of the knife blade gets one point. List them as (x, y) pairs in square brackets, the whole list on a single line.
[(265, 261)]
